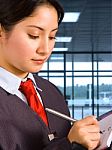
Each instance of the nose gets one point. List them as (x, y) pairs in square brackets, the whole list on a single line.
[(44, 47)]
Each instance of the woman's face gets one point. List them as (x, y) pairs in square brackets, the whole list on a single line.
[(30, 43)]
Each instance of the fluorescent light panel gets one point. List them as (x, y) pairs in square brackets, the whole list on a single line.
[(63, 39), (56, 58), (71, 16), (60, 49)]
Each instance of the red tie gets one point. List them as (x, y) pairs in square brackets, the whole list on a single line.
[(27, 88)]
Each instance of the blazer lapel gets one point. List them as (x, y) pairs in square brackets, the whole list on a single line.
[(47, 102)]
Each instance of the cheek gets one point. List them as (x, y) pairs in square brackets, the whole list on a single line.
[(20, 47)]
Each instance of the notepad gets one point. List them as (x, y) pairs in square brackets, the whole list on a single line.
[(105, 122)]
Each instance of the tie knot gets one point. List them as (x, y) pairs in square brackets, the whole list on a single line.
[(27, 88)]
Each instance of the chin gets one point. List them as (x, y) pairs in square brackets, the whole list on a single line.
[(35, 70)]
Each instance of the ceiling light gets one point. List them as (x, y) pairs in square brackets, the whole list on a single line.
[(63, 39), (60, 49), (56, 58), (71, 16)]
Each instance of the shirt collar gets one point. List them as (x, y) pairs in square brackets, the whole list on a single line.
[(30, 75), (11, 82)]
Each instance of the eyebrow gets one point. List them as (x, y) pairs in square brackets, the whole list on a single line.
[(33, 26)]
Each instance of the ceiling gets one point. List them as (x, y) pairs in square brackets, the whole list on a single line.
[(93, 30)]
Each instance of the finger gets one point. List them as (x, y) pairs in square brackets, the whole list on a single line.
[(94, 136), (93, 145), (91, 129), (90, 120), (92, 142)]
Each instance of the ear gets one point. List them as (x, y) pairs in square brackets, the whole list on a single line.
[(0, 30), (1, 34)]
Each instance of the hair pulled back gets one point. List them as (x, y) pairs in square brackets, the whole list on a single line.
[(14, 11)]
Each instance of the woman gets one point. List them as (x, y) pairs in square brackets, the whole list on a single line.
[(27, 38)]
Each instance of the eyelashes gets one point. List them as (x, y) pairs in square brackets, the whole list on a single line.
[(37, 37), (33, 37), (52, 38)]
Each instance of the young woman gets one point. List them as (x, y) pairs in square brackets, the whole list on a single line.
[(27, 38)]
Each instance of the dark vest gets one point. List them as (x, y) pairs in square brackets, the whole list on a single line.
[(23, 129)]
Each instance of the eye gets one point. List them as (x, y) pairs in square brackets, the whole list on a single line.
[(52, 38), (33, 36)]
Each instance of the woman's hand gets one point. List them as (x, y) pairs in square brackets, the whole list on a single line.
[(85, 132)]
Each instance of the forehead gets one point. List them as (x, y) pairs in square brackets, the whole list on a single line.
[(45, 11), (43, 16)]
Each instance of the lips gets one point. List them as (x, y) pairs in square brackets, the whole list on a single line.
[(39, 61)]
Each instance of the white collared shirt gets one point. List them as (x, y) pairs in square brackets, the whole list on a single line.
[(11, 83)]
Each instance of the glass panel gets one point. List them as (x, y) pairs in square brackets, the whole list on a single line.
[(69, 66), (69, 73), (105, 73), (56, 62), (42, 74), (82, 80), (56, 74), (58, 81), (77, 96), (81, 66), (105, 94), (105, 66), (45, 66), (82, 73), (69, 60)]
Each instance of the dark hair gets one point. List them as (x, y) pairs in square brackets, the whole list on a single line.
[(13, 11)]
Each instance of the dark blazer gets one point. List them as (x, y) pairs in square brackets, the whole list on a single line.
[(23, 129)]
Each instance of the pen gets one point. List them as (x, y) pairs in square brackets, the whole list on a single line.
[(54, 112), (60, 114), (101, 132)]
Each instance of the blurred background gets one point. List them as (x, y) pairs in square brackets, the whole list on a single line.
[(81, 62)]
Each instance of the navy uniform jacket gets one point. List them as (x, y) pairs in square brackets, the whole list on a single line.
[(23, 129)]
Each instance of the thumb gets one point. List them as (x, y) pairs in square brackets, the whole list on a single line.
[(89, 120)]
